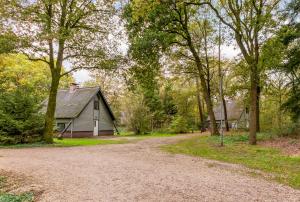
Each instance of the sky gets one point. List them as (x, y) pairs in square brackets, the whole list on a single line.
[(228, 52), (81, 76)]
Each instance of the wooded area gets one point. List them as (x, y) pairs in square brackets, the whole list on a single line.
[(159, 63)]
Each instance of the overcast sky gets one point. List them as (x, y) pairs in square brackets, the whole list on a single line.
[(81, 76)]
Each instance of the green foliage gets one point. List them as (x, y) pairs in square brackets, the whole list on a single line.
[(289, 130), (8, 43), (293, 104), (20, 120), (290, 37), (283, 168), (17, 71), (138, 115), (179, 125)]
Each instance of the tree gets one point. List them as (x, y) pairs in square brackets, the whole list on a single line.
[(20, 117), (163, 25), (64, 30), (249, 20), (137, 114), (16, 71), (290, 36), (112, 86)]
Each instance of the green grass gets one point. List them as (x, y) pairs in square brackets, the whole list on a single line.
[(68, 142), (285, 169), (85, 142), (25, 197), (148, 135)]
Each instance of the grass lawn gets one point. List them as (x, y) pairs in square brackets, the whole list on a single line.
[(85, 142), (285, 169), (149, 135), (25, 197), (69, 142)]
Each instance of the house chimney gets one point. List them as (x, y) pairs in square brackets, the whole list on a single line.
[(73, 87)]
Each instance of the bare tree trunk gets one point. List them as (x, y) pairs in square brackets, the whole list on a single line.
[(213, 123), (49, 117), (253, 105), (200, 107), (225, 114), (258, 109), (279, 111)]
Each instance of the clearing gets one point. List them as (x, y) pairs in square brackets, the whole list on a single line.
[(137, 171)]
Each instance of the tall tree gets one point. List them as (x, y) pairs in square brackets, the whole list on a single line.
[(249, 20), (58, 31), (165, 25), (222, 99), (201, 115), (16, 71)]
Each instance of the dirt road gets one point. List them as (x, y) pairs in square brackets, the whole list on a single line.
[(137, 172)]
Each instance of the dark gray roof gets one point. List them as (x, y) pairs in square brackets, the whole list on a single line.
[(234, 110), (70, 104)]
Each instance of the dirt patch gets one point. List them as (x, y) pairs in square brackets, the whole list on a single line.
[(289, 146), (17, 184)]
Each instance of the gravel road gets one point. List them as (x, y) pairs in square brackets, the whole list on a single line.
[(137, 172)]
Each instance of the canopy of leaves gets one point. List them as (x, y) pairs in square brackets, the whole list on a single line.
[(16, 71)]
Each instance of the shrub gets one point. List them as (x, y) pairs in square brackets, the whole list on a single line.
[(179, 125), (291, 130), (138, 116), (20, 120)]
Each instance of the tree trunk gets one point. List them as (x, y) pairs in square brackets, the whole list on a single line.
[(253, 105), (209, 105), (225, 114), (199, 65), (258, 109), (221, 81), (49, 118), (213, 123), (201, 125)]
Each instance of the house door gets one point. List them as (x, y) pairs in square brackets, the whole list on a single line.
[(96, 127)]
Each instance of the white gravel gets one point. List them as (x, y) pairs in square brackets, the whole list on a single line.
[(137, 172)]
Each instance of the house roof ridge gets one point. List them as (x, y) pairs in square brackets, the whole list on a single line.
[(85, 87)]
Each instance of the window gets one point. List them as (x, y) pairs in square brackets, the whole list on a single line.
[(96, 105), (60, 127)]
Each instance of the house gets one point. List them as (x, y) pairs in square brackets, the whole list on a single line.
[(237, 115), (83, 112)]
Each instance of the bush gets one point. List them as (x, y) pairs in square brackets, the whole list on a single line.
[(138, 116), (20, 120), (5, 140), (291, 130), (179, 125)]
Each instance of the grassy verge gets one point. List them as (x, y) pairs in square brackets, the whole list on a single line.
[(285, 169), (85, 142), (149, 135), (69, 142)]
